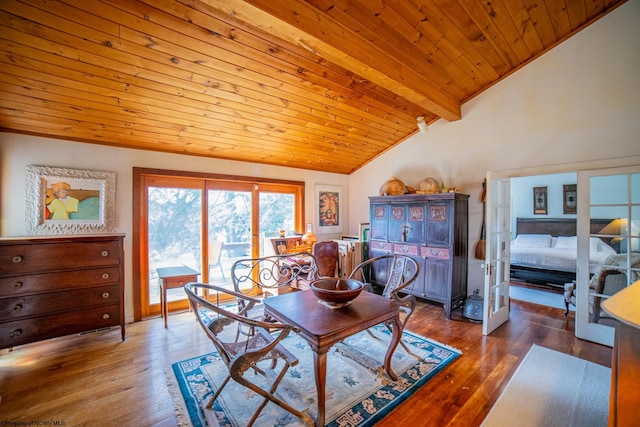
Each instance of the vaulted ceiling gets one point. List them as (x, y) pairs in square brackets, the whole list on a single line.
[(319, 84)]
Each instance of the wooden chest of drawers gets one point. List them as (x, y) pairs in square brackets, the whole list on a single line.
[(54, 286)]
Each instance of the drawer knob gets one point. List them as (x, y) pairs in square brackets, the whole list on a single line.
[(16, 333), (105, 275), (17, 307), (106, 295), (106, 316), (17, 285), (104, 253), (16, 259)]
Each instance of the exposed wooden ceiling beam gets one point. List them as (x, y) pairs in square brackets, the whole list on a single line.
[(377, 53)]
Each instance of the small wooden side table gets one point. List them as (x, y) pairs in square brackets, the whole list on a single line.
[(170, 278)]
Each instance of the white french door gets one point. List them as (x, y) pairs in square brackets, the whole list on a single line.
[(606, 194), (498, 239)]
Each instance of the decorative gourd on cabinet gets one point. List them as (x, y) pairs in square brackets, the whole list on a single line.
[(433, 229), (55, 286)]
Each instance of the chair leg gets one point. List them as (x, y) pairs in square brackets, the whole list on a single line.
[(372, 334), (595, 316), (269, 396), (217, 393), (402, 343)]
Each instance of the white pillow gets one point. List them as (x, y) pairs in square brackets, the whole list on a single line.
[(571, 242), (567, 242), (533, 240)]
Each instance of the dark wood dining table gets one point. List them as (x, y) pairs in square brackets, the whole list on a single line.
[(322, 327)]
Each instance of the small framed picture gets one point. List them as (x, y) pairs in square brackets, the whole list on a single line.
[(539, 200), (329, 209), (569, 199)]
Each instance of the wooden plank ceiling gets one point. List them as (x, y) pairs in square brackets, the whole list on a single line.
[(320, 84)]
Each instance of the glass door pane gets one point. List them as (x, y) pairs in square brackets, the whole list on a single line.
[(174, 227), (277, 211), (229, 229)]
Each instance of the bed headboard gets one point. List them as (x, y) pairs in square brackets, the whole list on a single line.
[(557, 226)]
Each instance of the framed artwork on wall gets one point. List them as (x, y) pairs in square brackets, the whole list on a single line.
[(329, 209), (69, 201), (569, 199), (539, 200)]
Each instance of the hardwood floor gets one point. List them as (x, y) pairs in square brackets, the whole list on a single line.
[(98, 380)]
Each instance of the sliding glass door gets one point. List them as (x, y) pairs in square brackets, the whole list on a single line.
[(229, 224), (174, 230), (205, 223)]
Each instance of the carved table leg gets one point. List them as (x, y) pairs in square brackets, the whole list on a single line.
[(320, 365)]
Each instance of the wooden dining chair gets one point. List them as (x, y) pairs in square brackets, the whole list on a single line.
[(257, 351), (271, 275), (398, 272), (326, 256)]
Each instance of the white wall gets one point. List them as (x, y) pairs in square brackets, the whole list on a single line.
[(19, 151), (522, 195), (577, 106)]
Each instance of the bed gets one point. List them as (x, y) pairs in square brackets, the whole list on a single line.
[(544, 251)]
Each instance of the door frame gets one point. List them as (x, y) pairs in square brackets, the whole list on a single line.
[(139, 227), (575, 167)]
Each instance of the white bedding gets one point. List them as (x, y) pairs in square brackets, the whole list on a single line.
[(556, 253)]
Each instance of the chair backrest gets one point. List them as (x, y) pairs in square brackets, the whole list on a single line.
[(398, 271), (270, 273), (327, 255), (215, 251), (226, 324)]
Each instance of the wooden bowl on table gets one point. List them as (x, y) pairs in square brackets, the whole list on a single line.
[(336, 292)]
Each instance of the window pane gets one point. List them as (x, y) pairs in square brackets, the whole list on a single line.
[(230, 224), (276, 212), (174, 234), (611, 189), (635, 188)]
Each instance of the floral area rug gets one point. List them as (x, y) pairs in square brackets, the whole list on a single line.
[(356, 395)]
